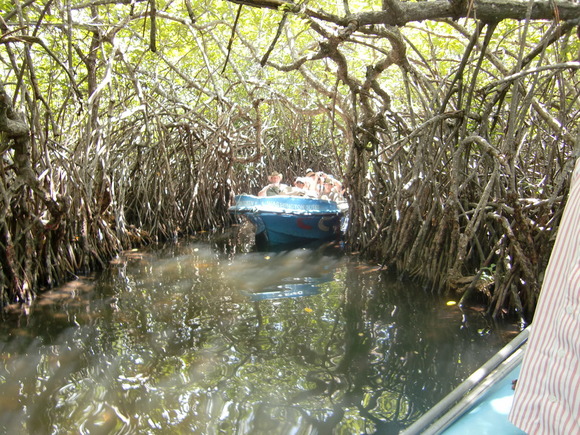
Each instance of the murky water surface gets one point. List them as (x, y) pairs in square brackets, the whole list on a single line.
[(215, 337)]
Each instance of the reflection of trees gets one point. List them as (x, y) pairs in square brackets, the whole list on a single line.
[(168, 344), (367, 374), (397, 359)]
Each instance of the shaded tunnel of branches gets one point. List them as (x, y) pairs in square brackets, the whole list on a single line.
[(455, 139)]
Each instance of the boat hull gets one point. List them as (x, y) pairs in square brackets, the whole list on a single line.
[(289, 220)]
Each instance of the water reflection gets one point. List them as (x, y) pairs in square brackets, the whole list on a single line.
[(213, 338)]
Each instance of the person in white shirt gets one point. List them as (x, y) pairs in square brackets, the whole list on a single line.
[(275, 186), (547, 393)]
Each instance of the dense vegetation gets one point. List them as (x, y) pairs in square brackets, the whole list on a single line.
[(453, 125)]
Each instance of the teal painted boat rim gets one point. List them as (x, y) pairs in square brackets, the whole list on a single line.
[(455, 408), (489, 415)]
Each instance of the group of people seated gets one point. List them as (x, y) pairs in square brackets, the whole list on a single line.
[(312, 185)]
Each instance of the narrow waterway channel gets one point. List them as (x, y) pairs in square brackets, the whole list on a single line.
[(213, 336)]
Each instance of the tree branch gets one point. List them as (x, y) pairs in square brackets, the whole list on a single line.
[(401, 13), (15, 127)]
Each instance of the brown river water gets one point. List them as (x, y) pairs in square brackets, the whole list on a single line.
[(212, 336)]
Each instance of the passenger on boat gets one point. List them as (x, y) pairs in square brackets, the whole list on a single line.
[(308, 184), (316, 187), (299, 183), (315, 180), (275, 187), (311, 175), (299, 188), (330, 191), (338, 186), (320, 177), (326, 189)]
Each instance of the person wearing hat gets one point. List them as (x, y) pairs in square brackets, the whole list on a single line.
[(300, 188), (314, 177), (275, 187), (329, 190)]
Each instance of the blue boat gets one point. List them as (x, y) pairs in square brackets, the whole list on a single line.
[(281, 220), (480, 405)]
